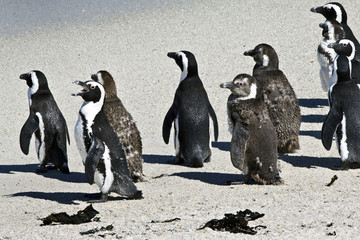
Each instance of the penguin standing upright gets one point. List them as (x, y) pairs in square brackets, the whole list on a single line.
[(343, 117), (279, 97), (190, 113), (346, 47), (254, 142), (46, 122), (99, 147), (335, 11), (332, 31), (123, 124)]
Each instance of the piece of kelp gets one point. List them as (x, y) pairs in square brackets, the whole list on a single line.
[(95, 230), (82, 216), (235, 223)]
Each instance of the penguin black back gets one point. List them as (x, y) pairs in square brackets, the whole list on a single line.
[(190, 112), (278, 96), (46, 122)]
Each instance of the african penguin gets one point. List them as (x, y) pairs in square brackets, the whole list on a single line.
[(123, 124), (346, 47), (190, 113), (46, 122), (332, 31), (343, 117), (279, 97), (335, 11), (99, 147), (254, 142)]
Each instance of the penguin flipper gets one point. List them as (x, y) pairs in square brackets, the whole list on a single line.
[(169, 118), (214, 119), (29, 127), (238, 145), (333, 119), (96, 151)]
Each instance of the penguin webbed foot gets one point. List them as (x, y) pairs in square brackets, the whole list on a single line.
[(97, 197)]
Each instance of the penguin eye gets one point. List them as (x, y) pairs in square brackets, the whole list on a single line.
[(92, 87), (344, 44)]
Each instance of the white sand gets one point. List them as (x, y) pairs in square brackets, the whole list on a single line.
[(133, 48)]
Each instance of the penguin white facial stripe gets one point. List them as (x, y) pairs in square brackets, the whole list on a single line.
[(185, 63), (265, 60), (346, 42), (252, 95), (337, 10), (35, 82), (100, 80), (40, 144), (343, 144)]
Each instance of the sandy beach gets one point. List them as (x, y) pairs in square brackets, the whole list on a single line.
[(131, 41)]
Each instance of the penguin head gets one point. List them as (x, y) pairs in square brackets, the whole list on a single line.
[(342, 66), (344, 47), (264, 55), (187, 63), (36, 81), (92, 91), (243, 86), (332, 30), (104, 78), (332, 11)]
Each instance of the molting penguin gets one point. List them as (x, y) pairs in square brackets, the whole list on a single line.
[(279, 97), (46, 122), (123, 124), (332, 31), (190, 113), (99, 147), (335, 11), (254, 141), (346, 47), (343, 116)]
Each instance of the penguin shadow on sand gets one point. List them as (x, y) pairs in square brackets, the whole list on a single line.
[(312, 118), (73, 177), (214, 178), (68, 198), (312, 162)]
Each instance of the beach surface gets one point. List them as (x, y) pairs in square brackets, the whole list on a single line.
[(70, 40)]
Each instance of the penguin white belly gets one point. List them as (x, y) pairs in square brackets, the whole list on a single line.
[(105, 181), (79, 137), (176, 138), (40, 143), (344, 151)]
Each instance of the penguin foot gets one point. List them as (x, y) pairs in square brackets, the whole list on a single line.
[(41, 169), (103, 198), (136, 195)]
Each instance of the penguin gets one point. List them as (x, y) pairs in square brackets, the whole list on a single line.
[(335, 11), (343, 117), (190, 113), (332, 31), (47, 123), (254, 141), (279, 97), (346, 47), (123, 124), (99, 146)]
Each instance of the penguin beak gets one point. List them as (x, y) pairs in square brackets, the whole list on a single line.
[(322, 25), (24, 76), (250, 52), (84, 90), (172, 55), (94, 77), (229, 85), (317, 9)]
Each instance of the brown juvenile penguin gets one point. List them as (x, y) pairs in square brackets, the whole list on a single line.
[(253, 143), (279, 97), (123, 124)]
